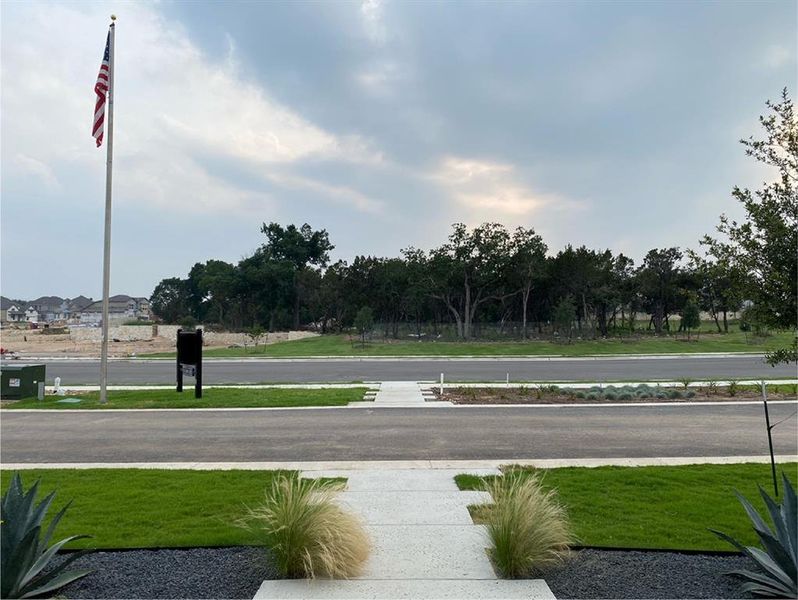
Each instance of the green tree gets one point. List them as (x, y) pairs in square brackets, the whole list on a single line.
[(170, 300), (564, 315), (764, 244), (527, 266), (658, 284), (301, 248), (364, 322), (469, 270), (217, 284), (691, 316), (720, 287), (255, 334)]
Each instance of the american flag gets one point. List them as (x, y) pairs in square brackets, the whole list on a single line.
[(101, 89)]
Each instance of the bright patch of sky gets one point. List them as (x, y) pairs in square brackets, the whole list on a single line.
[(606, 124)]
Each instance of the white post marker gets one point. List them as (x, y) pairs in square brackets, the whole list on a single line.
[(441, 384), (107, 236)]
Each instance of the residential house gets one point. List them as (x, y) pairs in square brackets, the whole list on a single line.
[(46, 309), (5, 304), (15, 313), (120, 308), (32, 315), (76, 306)]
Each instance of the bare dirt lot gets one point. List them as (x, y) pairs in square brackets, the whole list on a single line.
[(125, 341), (40, 342)]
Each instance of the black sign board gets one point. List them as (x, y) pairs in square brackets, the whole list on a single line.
[(189, 359)]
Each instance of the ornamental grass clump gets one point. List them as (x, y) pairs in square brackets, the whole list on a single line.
[(307, 532), (527, 526)]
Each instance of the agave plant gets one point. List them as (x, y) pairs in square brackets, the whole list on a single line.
[(25, 555), (778, 562)]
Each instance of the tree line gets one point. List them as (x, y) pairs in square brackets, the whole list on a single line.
[(491, 275)]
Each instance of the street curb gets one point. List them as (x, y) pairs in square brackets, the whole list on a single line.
[(420, 357), (460, 465), (432, 405)]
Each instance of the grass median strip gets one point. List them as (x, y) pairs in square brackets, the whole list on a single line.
[(655, 507), (341, 345), (211, 398), (152, 508)]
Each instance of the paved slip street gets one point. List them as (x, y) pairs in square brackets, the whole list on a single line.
[(130, 372), (395, 434)]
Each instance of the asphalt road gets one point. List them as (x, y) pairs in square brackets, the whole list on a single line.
[(395, 434), (347, 370)]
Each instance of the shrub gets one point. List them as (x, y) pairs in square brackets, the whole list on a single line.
[(592, 396), (25, 555), (527, 526), (690, 394), (661, 395), (712, 387), (188, 322), (609, 395), (308, 533), (733, 386), (778, 562), (674, 394), (580, 394), (625, 396), (685, 381)]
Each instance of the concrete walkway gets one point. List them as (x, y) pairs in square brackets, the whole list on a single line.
[(424, 542), (402, 394)]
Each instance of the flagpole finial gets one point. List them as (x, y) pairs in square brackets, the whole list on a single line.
[(113, 17)]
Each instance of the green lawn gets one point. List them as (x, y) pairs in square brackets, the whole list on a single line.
[(211, 398), (340, 345), (658, 507), (144, 508)]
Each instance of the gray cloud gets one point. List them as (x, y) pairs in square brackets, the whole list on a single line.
[(609, 124)]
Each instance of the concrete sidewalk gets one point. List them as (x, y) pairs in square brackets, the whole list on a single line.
[(424, 542), (401, 394)]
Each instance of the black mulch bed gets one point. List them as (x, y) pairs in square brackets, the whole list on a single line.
[(191, 573), (238, 573), (627, 574)]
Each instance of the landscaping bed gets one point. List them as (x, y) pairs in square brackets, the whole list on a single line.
[(238, 572), (594, 573), (235, 572), (552, 394)]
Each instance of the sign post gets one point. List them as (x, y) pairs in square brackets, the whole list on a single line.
[(189, 359)]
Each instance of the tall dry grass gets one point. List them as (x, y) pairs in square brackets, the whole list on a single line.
[(306, 530), (527, 526)]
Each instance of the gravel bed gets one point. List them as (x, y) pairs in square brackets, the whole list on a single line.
[(627, 574), (190, 573), (238, 573)]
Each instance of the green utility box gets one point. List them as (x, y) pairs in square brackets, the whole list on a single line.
[(20, 381)]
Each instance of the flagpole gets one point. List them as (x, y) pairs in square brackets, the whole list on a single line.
[(107, 240)]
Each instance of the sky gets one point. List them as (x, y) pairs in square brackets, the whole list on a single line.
[(610, 124)]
